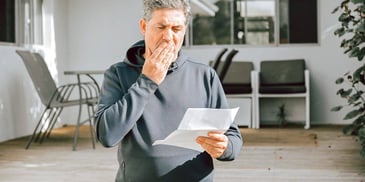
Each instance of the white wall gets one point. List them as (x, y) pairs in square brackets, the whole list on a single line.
[(92, 34), (101, 32), (20, 106)]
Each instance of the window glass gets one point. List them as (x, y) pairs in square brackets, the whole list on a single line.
[(257, 22), (298, 21), (7, 21), (209, 30), (259, 16)]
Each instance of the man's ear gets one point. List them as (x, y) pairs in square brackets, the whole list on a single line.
[(142, 26)]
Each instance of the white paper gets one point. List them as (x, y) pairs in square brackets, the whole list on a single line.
[(198, 122)]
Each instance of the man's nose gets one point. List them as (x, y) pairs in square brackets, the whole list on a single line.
[(167, 35)]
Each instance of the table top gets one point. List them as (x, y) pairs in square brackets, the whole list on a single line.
[(83, 72)]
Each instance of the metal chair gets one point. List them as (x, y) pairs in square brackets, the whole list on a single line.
[(55, 99)]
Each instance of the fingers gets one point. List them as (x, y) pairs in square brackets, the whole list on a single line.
[(164, 54), (156, 64), (215, 143)]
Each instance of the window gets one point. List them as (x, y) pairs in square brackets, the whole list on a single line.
[(257, 22), (7, 21), (21, 21), (298, 21)]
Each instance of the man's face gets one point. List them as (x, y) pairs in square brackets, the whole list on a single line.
[(165, 25)]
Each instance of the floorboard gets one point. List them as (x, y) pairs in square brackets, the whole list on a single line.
[(275, 154)]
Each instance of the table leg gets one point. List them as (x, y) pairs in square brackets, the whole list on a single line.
[(79, 115)]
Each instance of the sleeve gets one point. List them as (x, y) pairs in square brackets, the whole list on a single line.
[(119, 108), (235, 138), (235, 142)]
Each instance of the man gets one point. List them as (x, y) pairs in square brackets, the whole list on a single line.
[(144, 98)]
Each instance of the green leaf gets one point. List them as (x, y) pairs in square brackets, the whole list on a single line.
[(358, 72), (362, 152), (362, 9), (361, 28), (344, 4), (347, 50), (361, 54), (345, 94), (362, 78), (340, 32), (340, 80), (354, 52), (337, 108), (348, 129), (335, 10), (344, 17), (359, 121), (352, 100), (357, 104), (362, 131), (352, 114), (357, 1)]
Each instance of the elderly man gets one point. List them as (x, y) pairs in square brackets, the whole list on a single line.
[(144, 98)]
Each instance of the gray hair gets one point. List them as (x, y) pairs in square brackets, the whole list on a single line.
[(151, 5)]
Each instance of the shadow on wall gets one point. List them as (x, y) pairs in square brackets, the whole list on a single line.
[(25, 106), (19, 103)]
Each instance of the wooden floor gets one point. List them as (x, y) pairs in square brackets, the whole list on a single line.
[(321, 153)]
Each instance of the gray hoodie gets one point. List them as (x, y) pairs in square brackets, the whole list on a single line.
[(133, 112)]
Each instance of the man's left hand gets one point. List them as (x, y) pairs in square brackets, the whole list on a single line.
[(215, 143)]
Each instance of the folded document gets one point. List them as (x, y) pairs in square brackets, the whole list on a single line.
[(198, 122)]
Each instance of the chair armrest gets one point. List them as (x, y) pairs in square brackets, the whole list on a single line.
[(90, 90)]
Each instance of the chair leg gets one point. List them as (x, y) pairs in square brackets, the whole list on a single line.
[(91, 124), (51, 125), (307, 115), (253, 113), (44, 123), (76, 135), (35, 129), (257, 123)]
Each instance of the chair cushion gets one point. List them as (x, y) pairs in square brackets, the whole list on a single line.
[(282, 89), (237, 88), (283, 72), (238, 78), (239, 72)]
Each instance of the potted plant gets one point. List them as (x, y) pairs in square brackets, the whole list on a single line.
[(281, 115), (352, 32)]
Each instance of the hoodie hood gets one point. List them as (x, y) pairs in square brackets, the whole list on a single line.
[(134, 56), (135, 53)]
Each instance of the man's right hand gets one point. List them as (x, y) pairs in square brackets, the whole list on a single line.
[(157, 64)]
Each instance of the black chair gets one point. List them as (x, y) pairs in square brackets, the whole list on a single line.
[(238, 78), (55, 99), (222, 70), (218, 58), (238, 84), (283, 79)]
